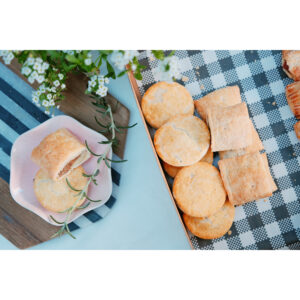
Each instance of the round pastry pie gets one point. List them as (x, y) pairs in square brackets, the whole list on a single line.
[(164, 100), (182, 141), (57, 196), (198, 190), (212, 227)]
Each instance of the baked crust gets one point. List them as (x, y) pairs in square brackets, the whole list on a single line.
[(214, 226), (172, 171), (297, 129), (246, 178), (59, 153), (57, 196), (255, 146), (271, 180), (230, 127), (198, 190), (292, 93), (164, 100), (227, 96), (291, 63), (182, 141)]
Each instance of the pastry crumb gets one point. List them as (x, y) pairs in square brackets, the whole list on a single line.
[(202, 87), (151, 58), (229, 232), (185, 78), (294, 154), (274, 103), (197, 68)]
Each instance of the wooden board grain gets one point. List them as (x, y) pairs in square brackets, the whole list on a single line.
[(20, 226), (79, 106)]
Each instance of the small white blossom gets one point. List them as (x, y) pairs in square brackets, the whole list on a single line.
[(7, 56), (36, 66), (47, 112), (40, 79), (120, 60), (30, 61), (52, 103), (49, 96), (35, 99), (89, 55), (53, 89), (87, 61), (56, 83), (63, 86), (60, 76), (39, 60), (45, 65), (26, 71), (45, 103), (31, 79)]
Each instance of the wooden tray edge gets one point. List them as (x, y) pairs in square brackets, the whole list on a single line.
[(138, 97)]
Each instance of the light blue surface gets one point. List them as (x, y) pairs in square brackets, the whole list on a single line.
[(144, 216)]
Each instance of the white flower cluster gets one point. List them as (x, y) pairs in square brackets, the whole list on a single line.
[(97, 85), (168, 69), (46, 95), (34, 69), (71, 52), (7, 56), (121, 59)]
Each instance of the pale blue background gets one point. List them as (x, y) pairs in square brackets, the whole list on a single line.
[(144, 216)]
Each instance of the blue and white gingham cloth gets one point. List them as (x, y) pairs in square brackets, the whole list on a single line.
[(273, 224), (17, 115)]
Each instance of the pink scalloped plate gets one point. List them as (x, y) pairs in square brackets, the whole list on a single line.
[(23, 170)]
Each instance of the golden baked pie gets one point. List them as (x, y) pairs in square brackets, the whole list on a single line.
[(164, 100), (59, 153), (292, 93), (291, 63), (227, 96), (198, 190), (182, 141), (246, 178), (214, 226), (57, 196), (230, 127)]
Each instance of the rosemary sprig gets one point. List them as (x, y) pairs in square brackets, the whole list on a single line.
[(103, 157)]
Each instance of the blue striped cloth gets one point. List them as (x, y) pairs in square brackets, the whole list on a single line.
[(17, 115)]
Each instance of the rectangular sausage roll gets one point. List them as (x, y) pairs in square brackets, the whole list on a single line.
[(59, 153)]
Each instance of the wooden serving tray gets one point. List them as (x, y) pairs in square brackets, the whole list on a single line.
[(138, 99), (23, 228)]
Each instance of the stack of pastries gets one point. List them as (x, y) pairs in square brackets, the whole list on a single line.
[(59, 155), (185, 143)]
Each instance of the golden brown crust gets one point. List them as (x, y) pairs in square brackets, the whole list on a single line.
[(182, 141), (230, 127), (292, 93), (164, 100), (297, 129), (172, 171), (57, 196), (198, 190), (227, 96), (245, 178), (255, 146), (291, 63), (212, 227), (59, 153)]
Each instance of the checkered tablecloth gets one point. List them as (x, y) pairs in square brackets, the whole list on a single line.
[(272, 223), (17, 115)]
